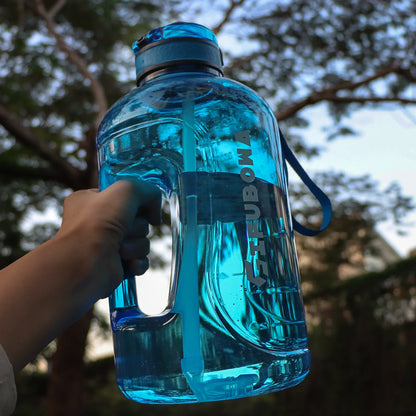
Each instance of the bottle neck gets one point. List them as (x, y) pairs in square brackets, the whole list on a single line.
[(193, 68)]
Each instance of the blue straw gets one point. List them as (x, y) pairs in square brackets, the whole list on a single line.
[(187, 298)]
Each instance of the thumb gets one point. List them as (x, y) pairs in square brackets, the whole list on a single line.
[(150, 201), (128, 198)]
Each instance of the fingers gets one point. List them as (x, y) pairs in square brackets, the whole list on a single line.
[(139, 228), (138, 267), (133, 254), (135, 246), (146, 199), (130, 205), (134, 249), (151, 202), (125, 200)]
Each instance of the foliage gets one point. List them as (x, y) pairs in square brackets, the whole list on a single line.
[(347, 54), (47, 108)]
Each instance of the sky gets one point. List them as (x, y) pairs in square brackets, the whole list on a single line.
[(385, 148)]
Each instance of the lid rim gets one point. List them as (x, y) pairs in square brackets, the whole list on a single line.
[(177, 51), (188, 66), (172, 40)]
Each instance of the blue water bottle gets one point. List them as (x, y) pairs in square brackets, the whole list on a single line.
[(232, 323)]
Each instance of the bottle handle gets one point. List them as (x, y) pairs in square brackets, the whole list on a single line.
[(322, 198)]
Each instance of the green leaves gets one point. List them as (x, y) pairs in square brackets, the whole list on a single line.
[(48, 141), (311, 47)]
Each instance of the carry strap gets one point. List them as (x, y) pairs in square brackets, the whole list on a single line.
[(317, 192)]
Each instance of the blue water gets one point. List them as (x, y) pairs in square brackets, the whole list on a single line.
[(248, 339), (233, 325)]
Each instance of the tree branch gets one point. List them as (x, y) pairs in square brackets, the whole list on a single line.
[(352, 85), (233, 5), (13, 171), (24, 136), (407, 74), (331, 94), (56, 7), (362, 99), (21, 16), (96, 87)]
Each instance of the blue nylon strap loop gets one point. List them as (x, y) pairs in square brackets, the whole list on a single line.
[(316, 191)]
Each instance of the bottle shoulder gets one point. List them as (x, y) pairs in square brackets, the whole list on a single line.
[(184, 85), (166, 96)]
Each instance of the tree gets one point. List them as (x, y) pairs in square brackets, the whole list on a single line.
[(59, 71), (348, 55), (62, 62)]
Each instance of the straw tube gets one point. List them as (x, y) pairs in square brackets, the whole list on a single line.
[(187, 298)]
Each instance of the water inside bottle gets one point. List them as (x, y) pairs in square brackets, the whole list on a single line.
[(252, 338)]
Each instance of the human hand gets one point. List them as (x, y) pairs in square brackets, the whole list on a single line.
[(111, 228), (53, 285)]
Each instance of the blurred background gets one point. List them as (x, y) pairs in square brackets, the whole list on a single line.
[(341, 79)]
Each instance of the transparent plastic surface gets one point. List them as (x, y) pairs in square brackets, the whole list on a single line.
[(174, 30), (234, 323)]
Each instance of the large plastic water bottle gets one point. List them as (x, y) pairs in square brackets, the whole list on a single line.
[(232, 324)]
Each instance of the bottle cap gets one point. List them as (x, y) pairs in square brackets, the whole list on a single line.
[(176, 44)]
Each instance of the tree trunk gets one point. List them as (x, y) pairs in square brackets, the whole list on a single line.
[(65, 390)]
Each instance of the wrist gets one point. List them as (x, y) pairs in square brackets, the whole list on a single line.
[(92, 255), (43, 293)]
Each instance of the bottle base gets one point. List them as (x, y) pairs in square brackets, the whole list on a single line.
[(285, 371)]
